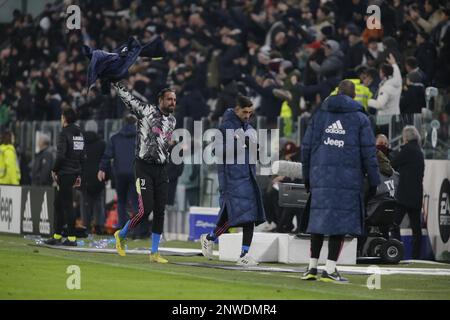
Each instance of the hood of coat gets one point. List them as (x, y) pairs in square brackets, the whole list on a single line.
[(341, 104)]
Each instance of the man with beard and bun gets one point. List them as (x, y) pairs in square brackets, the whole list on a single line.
[(155, 125)]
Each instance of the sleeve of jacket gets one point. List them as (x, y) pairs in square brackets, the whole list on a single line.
[(12, 167), (105, 162), (46, 168), (327, 66), (400, 159), (133, 104), (397, 76), (61, 150), (369, 152), (381, 100), (306, 149)]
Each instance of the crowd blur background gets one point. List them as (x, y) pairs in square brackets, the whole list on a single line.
[(288, 56)]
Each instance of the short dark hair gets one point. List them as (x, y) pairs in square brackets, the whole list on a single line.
[(243, 101), (347, 87), (70, 115), (387, 69), (412, 62), (6, 137), (372, 72), (163, 92)]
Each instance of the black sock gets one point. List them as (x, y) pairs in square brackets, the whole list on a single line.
[(334, 246), (316, 245)]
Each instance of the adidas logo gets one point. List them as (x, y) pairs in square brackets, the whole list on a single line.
[(27, 223), (336, 127), (44, 224)]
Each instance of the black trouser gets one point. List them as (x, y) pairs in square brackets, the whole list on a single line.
[(152, 188), (247, 229), (64, 213), (271, 206), (335, 243), (414, 220)]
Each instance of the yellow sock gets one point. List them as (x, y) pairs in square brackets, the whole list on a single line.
[(57, 236), (72, 239)]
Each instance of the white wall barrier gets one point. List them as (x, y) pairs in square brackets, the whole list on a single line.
[(436, 207), (10, 209), (26, 209)]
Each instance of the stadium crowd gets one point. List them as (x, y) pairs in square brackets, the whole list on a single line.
[(288, 55), (293, 51)]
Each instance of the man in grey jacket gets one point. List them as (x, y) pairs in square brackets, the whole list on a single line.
[(41, 172)]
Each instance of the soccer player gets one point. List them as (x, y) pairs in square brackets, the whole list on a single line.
[(155, 125), (337, 151), (240, 198)]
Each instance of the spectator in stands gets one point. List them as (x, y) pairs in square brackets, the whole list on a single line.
[(432, 12), (413, 97), (411, 64), (390, 46), (439, 32), (362, 93), (426, 55), (387, 101), (270, 105), (5, 112), (370, 79), (411, 165), (42, 165), (331, 68), (9, 167), (383, 155), (338, 150), (355, 53), (93, 191), (120, 149), (442, 75)]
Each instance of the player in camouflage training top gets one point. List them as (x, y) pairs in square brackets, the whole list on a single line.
[(154, 127)]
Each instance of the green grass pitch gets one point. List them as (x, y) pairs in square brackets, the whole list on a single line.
[(28, 272)]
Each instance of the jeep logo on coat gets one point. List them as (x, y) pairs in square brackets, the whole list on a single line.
[(444, 211)]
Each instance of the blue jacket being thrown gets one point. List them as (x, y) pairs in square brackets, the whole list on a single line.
[(337, 151), (114, 66), (239, 192)]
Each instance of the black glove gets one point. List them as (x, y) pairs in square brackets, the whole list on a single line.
[(307, 186)]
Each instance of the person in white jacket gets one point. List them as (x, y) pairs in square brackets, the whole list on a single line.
[(389, 90)]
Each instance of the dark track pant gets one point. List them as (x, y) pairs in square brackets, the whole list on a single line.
[(414, 220), (222, 226), (335, 243), (152, 188), (64, 213)]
